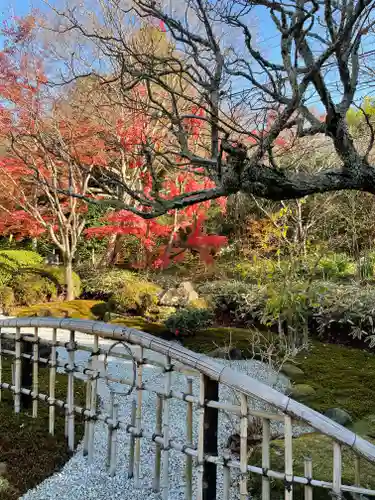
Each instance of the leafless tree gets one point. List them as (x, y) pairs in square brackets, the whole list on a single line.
[(252, 96)]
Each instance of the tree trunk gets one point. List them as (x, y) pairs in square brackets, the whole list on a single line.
[(69, 285)]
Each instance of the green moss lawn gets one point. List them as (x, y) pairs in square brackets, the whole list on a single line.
[(30, 453)]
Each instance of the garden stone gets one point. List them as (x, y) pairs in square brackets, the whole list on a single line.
[(340, 416), (181, 296), (302, 391), (293, 372)]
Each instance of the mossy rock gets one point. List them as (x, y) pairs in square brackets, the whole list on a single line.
[(339, 415), (293, 372), (302, 392), (82, 309), (319, 448)]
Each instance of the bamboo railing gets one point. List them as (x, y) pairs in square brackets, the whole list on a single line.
[(203, 457)]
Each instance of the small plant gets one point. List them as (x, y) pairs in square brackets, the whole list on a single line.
[(188, 321), (7, 299)]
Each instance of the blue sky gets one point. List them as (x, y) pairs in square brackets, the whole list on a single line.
[(264, 28)]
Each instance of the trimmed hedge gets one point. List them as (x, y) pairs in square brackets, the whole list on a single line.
[(31, 281), (14, 261)]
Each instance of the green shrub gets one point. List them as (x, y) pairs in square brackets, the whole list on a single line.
[(234, 301), (134, 296), (189, 321), (7, 299), (105, 281), (56, 275), (333, 266), (30, 289), (14, 261)]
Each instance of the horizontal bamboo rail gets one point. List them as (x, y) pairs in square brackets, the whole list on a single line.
[(203, 458)]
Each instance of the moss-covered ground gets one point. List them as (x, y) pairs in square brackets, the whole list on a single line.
[(342, 377), (30, 453), (319, 449)]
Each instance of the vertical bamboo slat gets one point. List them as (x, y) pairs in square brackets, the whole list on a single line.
[(288, 440), (266, 437), (110, 429), (337, 468), (308, 475), (357, 475), (71, 357), (86, 435), (167, 390), (189, 441), (113, 459), (113, 445), (207, 439), (93, 402), (52, 383), (200, 456), (243, 446), (137, 457), (158, 429), (132, 440), (35, 371), (226, 476), (17, 381), (1, 362)]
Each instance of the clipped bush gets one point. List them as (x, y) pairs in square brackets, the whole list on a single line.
[(14, 261), (186, 322), (30, 289), (104, 282), (234, 302), (135, 297), (7, 299)]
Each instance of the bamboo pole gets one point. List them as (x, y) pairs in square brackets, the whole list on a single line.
[(288, 440), (243, 446), (200, 457), (86, 435), (110, 429), (17, 381), (137, 455), (52, 383), (266, 437), (113, 457), (35, 370), (357, 475), (226, 474), (158, 430), (70, 413), (132, 440), (308, 475), (207, 440), (337, 470), (167, 389), (1, 362), (93, 402), (189, 442)]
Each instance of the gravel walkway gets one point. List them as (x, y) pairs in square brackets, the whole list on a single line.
[(80, 481)]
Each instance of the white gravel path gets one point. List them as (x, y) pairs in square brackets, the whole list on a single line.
[(80, 481)]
